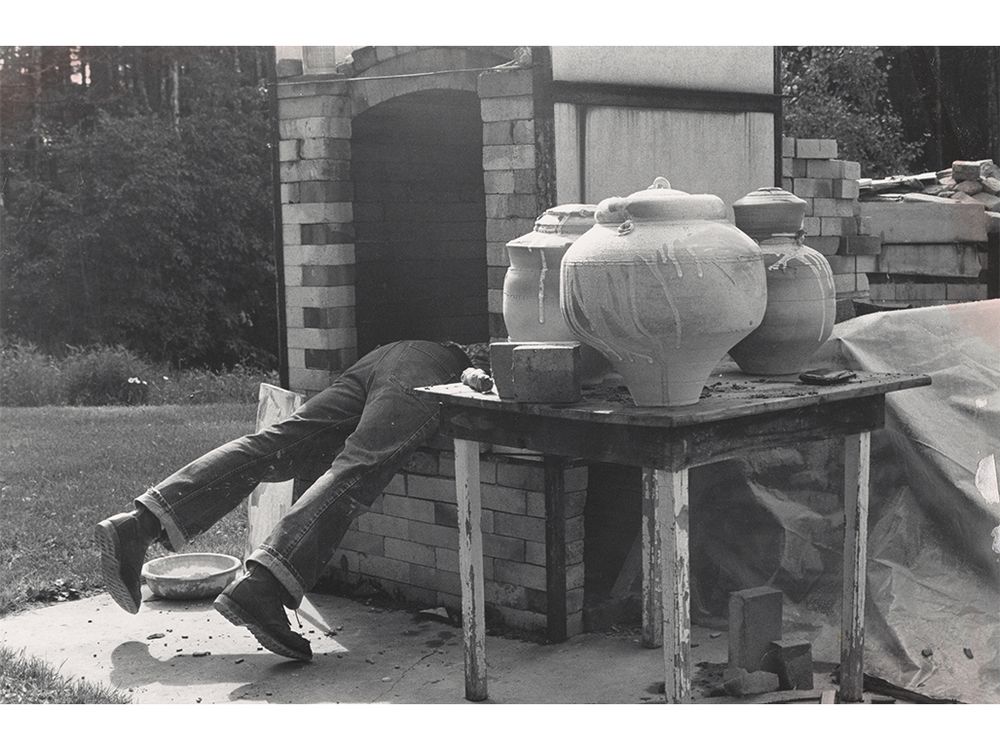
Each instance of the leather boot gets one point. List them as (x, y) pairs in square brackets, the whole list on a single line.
[(123, 540), (254, 601)]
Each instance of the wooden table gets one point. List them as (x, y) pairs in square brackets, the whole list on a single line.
[(736, 414)]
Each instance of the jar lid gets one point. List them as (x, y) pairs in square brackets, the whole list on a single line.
[(558, 226), (769, 196), (660, 202), (769, 210)]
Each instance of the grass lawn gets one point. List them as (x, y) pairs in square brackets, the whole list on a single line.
[(62, 469), (30, 680)]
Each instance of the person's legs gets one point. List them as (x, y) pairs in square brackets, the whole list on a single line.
[(393, 424), (195, 497)]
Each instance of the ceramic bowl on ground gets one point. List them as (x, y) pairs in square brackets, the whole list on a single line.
[(195, 575)]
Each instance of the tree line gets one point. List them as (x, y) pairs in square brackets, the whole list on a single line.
[(136, 195), (136, 201)]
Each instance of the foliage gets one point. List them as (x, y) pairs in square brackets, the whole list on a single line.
[(65, 468), (129, 221), (842, 93), (102, 376), (112, 375), (29, 680), (28, 377)]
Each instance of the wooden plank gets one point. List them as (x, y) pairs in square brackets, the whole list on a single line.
[(555, 548), (470, 563), (652, 581), (663, 447), (271, 500), (780, 696), (652, 573), (661, 97), (829, 696), (671, 493), (857, 449), (736, 395)]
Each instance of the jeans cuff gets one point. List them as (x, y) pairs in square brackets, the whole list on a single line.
[(280, 570), (151, 501)]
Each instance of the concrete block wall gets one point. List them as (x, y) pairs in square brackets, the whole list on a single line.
[(408, 543), (833, 222)]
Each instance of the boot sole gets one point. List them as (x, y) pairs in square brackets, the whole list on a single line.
[(110, 546), (238, 616)]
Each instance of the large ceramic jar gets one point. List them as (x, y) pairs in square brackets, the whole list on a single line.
[(664, 285), (801, 299), (531, 309)]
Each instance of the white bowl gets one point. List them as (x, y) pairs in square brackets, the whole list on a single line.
[(195, 575)]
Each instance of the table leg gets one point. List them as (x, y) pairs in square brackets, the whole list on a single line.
[(857, 452), (470, 563), (670, 489), (652, 589)]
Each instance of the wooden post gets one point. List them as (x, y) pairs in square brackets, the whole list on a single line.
[(470, 564), (652, 589), (857, 450), (671, 488), (555, 548)]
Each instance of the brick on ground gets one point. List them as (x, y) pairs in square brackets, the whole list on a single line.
[(791, 661), (738, 682), (754, 621)]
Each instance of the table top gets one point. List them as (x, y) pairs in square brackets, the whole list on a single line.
[(728, 394)]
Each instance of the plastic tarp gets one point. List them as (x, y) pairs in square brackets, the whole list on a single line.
[(933, 581)]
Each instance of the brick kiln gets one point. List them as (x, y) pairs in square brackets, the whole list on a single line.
[(404, 171)]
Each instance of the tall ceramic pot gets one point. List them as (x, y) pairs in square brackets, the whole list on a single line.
[(531, 309), (664, 285), (801, 299)]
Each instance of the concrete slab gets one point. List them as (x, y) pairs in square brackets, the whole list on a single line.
[(185, 652)]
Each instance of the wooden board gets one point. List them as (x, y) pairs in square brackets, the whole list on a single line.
[(270, 501), (662, 447), (729, 394)]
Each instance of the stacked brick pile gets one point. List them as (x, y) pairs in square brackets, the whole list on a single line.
[(934, 228), (833, 224), (408, 542)]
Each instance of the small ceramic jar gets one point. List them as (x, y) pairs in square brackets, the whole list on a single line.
[(801, 299)]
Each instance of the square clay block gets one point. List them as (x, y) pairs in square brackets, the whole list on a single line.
[(791, 660), (547, 373), (754, 622), (502, 367), (815, 148)]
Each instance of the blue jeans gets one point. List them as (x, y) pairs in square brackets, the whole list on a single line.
[(348, 440)]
